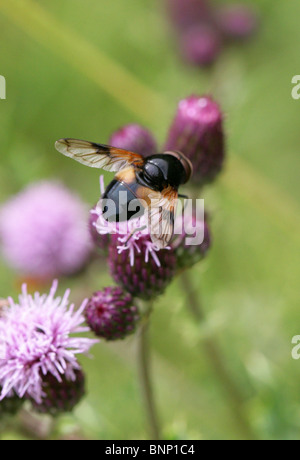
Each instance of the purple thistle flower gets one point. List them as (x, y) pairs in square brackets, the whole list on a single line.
[(189, 254), (201, 45), (135, 138), (132, 236), (111, 313), (134, 260), (128, 232), (203, 27), (60, 396), (43, 231), (139, 268), (197, 131), (237, 21), (36, 341)]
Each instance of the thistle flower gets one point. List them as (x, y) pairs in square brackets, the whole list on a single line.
[(43, 231), (197, 131), (37, 341), (135, 138), (138, 267), (128, 234), (203, 27), (134, 260), (111, 313), (237, 21), (201, 45), (192, 240), (60, 396)]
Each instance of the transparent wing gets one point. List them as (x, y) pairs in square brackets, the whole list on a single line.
[(161, 210), (98, 155)]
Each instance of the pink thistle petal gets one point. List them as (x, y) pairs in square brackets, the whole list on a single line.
[(37, 333)]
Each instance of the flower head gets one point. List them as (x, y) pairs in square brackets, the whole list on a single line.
[(60, 396), (135, 138), (237, 21), (197, 131), (132, 236), (201, 45), (139, 268), (202, 27), (134, 260), (43, 231), (37, 340), (111, 313)]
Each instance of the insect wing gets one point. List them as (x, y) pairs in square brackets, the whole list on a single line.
[(161, 212), (98, 155)]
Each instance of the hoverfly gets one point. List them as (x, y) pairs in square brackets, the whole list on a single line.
[(152, 181)]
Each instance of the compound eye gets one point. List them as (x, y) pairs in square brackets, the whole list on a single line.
[(186, 164)]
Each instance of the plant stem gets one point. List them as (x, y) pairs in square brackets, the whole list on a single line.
[(145, 379), (217, 361)]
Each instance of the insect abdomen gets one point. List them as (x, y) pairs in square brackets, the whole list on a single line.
[(120, 202)]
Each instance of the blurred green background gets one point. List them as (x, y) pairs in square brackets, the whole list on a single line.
[(83, 69)]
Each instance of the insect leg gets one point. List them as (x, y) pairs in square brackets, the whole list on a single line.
[(134, 231)]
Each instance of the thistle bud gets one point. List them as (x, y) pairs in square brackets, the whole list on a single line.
[(135, 138), (111, 313), (60, 396), (197, 131), (237, 21), (201, 45)]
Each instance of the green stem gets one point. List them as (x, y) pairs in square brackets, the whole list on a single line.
[(145, 380), (217, 361)]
